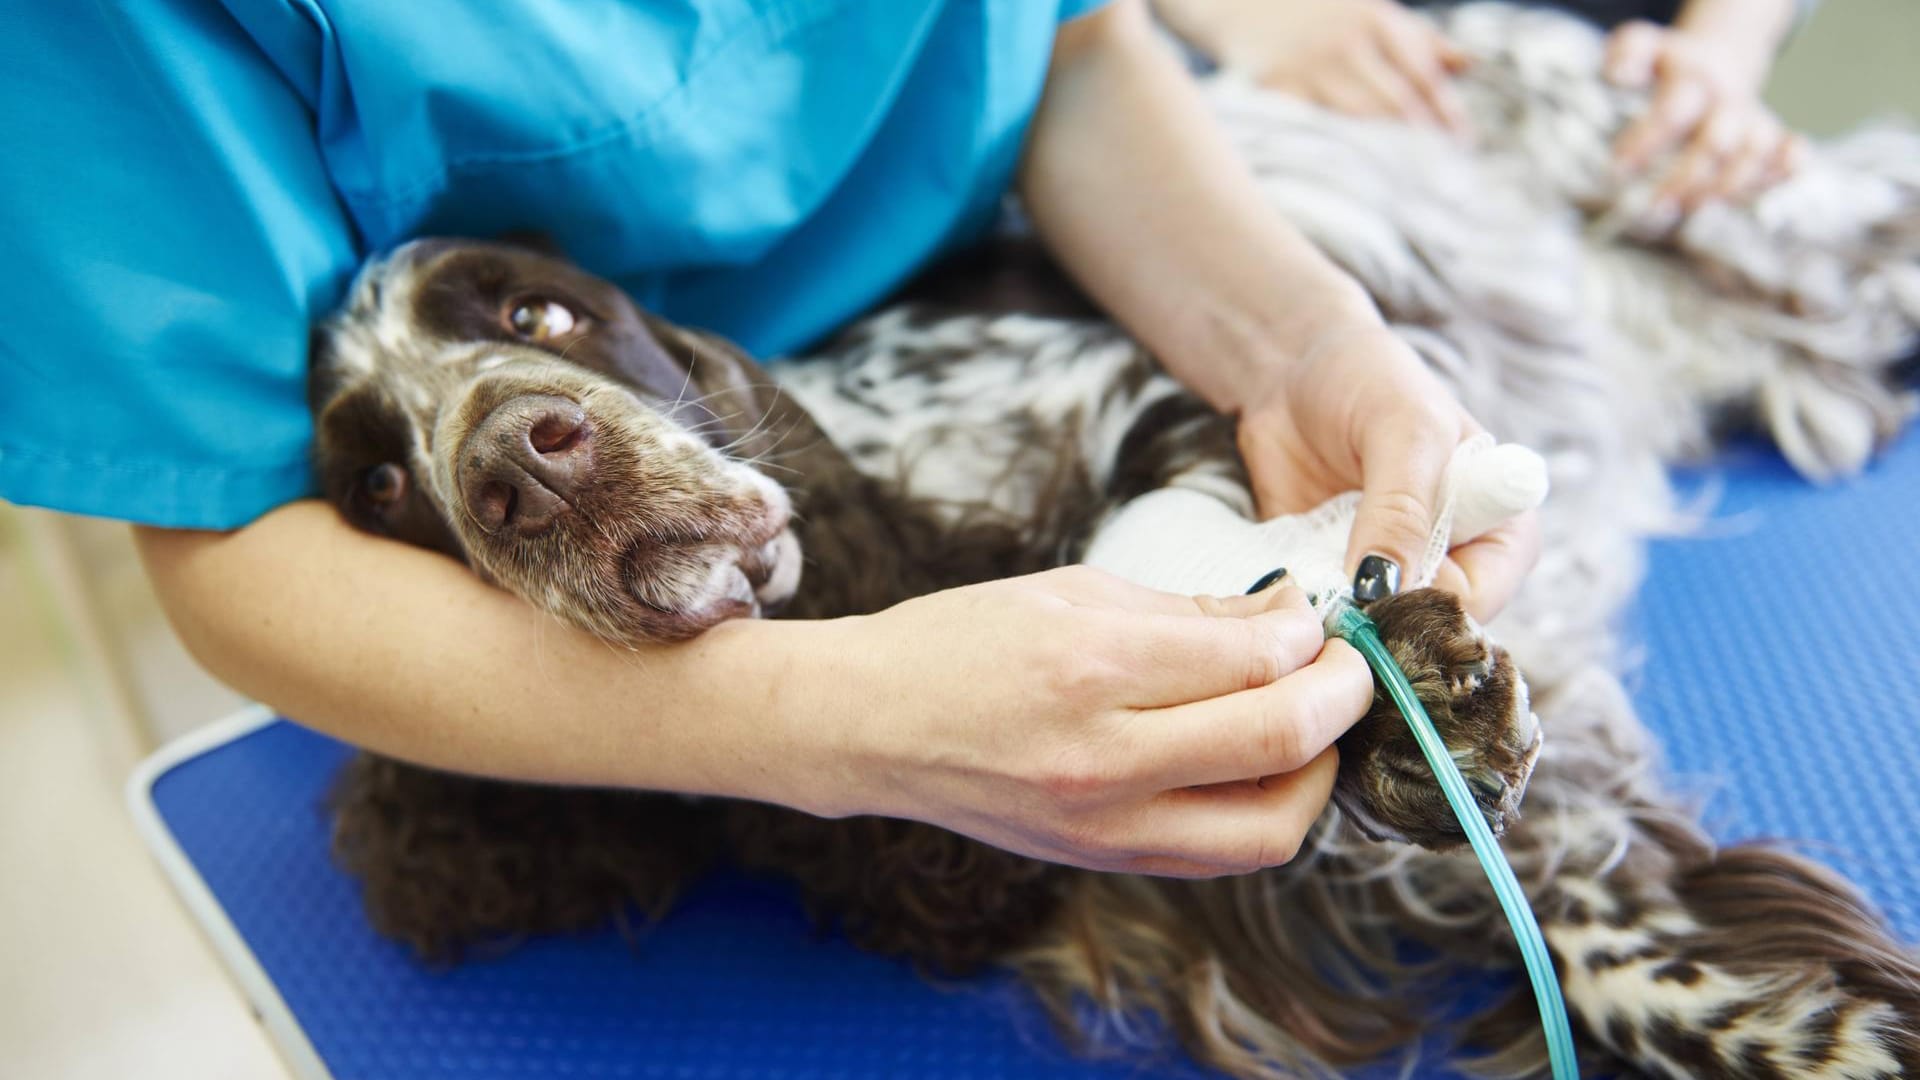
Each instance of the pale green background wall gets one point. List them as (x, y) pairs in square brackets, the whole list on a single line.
[(1853, 60)]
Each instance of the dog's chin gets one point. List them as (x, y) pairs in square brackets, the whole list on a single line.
[(777, 565), (739, 584), (728, 594)]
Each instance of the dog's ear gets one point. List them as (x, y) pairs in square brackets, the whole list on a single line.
[(645, 353), (321, 380), (729, 396), (534, 240)]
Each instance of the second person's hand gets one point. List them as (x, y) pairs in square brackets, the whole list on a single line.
[(1356, 409), (1359, 57), (1705, 125)]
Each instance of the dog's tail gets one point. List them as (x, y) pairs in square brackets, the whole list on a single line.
[(1689, 961), (1678, 959)]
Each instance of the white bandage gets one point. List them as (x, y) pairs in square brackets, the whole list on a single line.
[(1183, 541), (1485, 484)]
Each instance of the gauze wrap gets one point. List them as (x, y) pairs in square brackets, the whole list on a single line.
[(1184, 541)]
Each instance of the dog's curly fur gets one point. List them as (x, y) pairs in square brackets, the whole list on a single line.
[(1607, 350)]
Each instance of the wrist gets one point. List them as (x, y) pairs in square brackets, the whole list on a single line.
[(790, 692), (1229, 353), (1748, 35)]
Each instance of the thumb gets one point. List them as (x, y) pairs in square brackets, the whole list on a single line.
[(1402, 466), (1632, 51)]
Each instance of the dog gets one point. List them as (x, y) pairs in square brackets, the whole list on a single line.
[(515, 412)]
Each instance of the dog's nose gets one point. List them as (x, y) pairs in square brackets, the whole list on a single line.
[(525, 463)]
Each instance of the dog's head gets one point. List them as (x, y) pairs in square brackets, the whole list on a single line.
[(502, 406)]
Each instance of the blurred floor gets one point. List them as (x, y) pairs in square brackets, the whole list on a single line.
[(102, 975)]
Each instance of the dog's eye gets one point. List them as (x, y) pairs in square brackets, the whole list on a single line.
[(384, 485), (540, 319)]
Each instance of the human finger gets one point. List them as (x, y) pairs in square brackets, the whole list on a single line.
[(1339, 83), (1233, 829), (1402, 463), (1174, 659), (1265, 731), (1391, 88), (1632, 50), (1091, 587), (1784, 159), (1672, 114), (1790, 158), (1745, 171), (1487, 571), (1417, 50), (1690, 179)]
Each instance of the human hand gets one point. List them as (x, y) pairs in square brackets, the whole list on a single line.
[(1705, 105), (1358, 410), (1074, 717), (1360, 57)]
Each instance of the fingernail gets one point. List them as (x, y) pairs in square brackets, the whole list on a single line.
[(1377, 578), (1268, 580)]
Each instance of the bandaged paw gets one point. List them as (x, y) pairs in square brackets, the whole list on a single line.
[(1185, 541)]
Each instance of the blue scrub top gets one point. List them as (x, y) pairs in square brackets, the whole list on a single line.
[(186, 184)]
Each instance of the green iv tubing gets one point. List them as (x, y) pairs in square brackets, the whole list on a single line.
[(1352, 624)]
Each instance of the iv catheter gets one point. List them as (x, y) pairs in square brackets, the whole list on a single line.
[(1350, 623), (1189, 542)]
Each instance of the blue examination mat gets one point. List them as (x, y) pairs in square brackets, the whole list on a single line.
[(1781, 670)]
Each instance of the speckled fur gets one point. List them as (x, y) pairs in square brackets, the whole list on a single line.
[(983, 444)]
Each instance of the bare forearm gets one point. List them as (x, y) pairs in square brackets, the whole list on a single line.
[(1009, 711), (406, 653), (1751, 30), (1142, 199)]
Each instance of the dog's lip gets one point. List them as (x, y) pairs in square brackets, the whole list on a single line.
[(737, 601), (779, 511), (754, 566), (779, 580), (632, 562), (767, 532)]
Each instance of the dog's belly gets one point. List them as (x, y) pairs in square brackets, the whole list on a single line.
[(969, 412)]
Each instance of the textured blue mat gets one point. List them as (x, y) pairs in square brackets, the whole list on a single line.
[(1799, 694), (1783, 665)]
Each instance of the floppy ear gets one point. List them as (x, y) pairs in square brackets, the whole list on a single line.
[(730, 398), (534, 240), (646, 354), (320, 378)]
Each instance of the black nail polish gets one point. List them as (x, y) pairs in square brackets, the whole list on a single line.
[(1377, 578), (1267, 579)]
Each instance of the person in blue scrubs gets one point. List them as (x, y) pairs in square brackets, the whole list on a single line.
[(1704, 62), (187, 184)]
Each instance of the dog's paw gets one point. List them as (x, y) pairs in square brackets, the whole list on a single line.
[(1477, 701)]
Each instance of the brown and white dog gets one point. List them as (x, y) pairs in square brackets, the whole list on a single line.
[(504, 407), (508, 409)]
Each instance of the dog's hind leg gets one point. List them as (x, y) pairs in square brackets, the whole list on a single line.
[(1681, 958), (1689, 962), (450, 863)]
